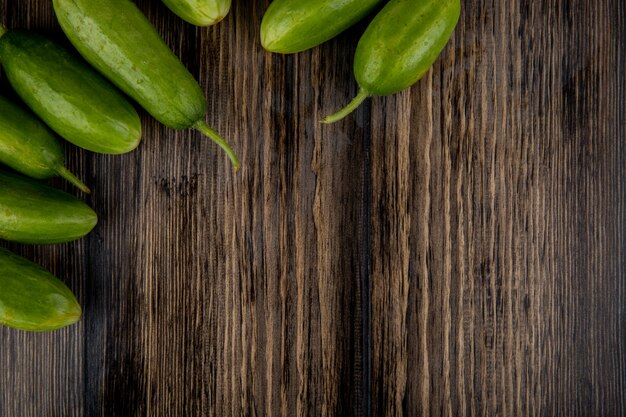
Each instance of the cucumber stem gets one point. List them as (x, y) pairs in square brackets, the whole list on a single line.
[(72, 179), (3, 30), (215, 137), (352, 106)]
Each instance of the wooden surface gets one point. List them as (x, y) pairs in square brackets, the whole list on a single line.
[(455, 250)]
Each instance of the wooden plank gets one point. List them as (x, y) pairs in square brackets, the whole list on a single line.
[(483, 209), (513, 303)]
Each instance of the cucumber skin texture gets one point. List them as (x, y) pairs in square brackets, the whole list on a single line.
[(402, 43), (33, 213), (291, 26), (200, 12), (26, 144), (73, 99), (32, 298), (117, 39)]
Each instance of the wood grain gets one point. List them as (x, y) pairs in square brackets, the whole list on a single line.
[(457, 249), (499, 279)]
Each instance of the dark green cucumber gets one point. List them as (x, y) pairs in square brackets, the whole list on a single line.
[(73, 99), (28, 146), (399, 46), (33, 299), (118, 40), (31, 212), (291, 26), (200, 12)]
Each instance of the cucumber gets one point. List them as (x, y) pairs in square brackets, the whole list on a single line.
[(119, 41), (399, 46), (200, 12), (29, 147), (291, 26), (31, 212), (73, 99), (33, 299)]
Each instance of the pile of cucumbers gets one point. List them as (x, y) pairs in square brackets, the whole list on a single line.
[(86, 103), (398, 47)]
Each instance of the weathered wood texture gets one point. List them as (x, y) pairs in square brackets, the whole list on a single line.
[(455, 250), (498, 220)]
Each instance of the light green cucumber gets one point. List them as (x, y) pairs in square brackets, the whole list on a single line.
[(72, 98), (33, 299), (31, 212), (399, 46), (118, 40), (291, 26), (29, 147), (200, 12)]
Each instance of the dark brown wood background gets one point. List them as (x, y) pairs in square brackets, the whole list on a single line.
[(455, 250)]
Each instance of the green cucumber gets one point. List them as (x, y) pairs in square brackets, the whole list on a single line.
[(73, 99), (29, 147), (399, 47), (33, 299), (119, 41), (200, 12), (31, 212), (291, 26)]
